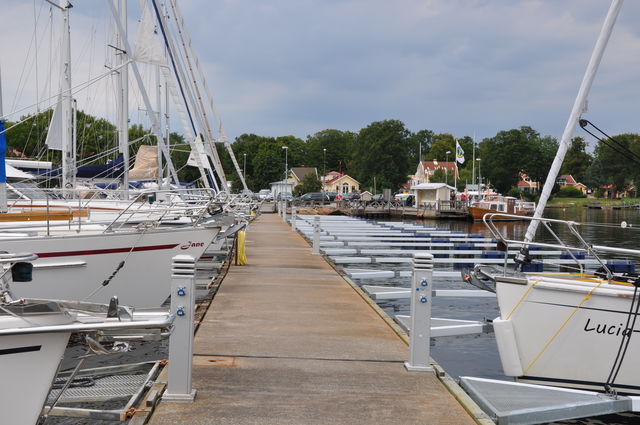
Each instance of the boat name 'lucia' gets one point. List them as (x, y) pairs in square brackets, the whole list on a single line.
[(603, 328)]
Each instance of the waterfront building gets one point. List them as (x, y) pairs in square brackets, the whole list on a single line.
[(426, 169), (340, 183), (297, 174), (567, 180)]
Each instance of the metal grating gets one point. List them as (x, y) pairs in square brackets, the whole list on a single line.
[(102, 388)]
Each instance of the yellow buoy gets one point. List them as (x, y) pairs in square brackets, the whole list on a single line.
[(242, 254)]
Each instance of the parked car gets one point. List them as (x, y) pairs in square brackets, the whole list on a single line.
[(347, 196), (378, 197), (284, 196), (314, 196), (405, 198), (265, 195)]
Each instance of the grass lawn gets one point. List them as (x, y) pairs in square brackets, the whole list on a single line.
[(580, 202)]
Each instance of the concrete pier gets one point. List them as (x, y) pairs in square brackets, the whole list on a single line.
[(288, 341)]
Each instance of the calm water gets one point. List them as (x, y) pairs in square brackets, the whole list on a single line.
[(465, 355), (477, 355)]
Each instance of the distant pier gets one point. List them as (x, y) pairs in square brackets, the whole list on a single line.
[(386, 209)]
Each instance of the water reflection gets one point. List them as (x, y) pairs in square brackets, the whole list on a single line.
[(477, 355)]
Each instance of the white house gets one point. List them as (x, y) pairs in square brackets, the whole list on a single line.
[(432, 193), (281, 187)]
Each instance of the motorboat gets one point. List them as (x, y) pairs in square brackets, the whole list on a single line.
[(513, 209)]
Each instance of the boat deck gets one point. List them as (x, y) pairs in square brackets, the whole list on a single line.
[(288, 341)]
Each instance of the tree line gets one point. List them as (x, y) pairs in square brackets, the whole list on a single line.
[(381, 155)]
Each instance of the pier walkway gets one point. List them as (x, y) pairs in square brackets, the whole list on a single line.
[(288, 341)]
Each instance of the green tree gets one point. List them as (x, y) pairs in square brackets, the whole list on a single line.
[(339, 147), (509, 152), (594, 175), (265, 159), (613, 163), (440, 175), (442, 143), (577, 160), (419, 143), (310, 183), (542, 152), (464, 176), (268, 164), (382, 152)]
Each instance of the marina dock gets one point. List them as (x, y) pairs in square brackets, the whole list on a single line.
[(287, 340)]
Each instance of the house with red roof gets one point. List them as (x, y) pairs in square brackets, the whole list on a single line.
[(340, 183), (567, 180), (525, 184), (427, 168)]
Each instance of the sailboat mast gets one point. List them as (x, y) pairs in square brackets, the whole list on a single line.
[(68, 152), (579, 106), (123, 94), (155, 124), (159, 113)]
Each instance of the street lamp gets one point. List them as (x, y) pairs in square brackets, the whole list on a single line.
[(244, 167), (446, 171), (286, 163), (324, 166)]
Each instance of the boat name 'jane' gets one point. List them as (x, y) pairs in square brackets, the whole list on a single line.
[(192, 245)]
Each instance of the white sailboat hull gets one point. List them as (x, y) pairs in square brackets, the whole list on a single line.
[(28, 364), (75, 266), (557, 333)]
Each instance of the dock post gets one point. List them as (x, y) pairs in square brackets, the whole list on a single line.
[(293, 218), (284, 212), (420, 332), (183, 289), (316, 235)]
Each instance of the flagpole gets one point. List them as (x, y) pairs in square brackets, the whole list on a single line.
[(473, 164), (455, 175)]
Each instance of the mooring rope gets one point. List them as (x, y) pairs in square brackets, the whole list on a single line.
[(624, 341), (557, 332)]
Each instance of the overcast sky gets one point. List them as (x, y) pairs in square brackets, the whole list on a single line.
[(281, 67)]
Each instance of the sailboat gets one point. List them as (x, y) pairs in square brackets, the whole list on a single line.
[(575, 330), (130, 254), (34, 334)]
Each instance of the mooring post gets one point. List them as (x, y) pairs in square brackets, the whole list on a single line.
[(183, 289), (284, 212), (316, 235), (420, 332), (293, 218)]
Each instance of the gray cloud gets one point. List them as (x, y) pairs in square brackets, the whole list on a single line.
[(461, 66)]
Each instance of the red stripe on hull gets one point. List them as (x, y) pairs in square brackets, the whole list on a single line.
[(104, 251)]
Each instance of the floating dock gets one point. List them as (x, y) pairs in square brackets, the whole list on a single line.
[(287, 340)]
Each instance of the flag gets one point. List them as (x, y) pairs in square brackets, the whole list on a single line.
[(459, 153)]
